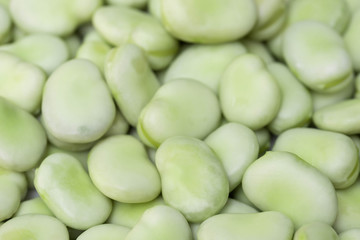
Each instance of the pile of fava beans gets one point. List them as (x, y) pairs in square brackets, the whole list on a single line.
[(179, 119)]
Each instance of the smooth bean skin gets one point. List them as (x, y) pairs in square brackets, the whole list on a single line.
[(119, 126), (128, 214), (10, 198), (43, 50), (192, 177), (73, 43), (231, 206), (105, 232), (77, 108), (315, 231), (340, 117), (357, 86), (271, 18), (120, 25), (120, 168), (33, 206), (204, 63), (323, 69), (16, 179), (239, 195), (320, 100), (94, 48), (351, 39), (193, 21), (36, 16), (129, 3), (19, 128), (352, 234), (258, 49), (296, 105), (334, 13), (281, 181), (237, 147), (81, 156), (130, 79), (259, 226), (235, 206), (264, 138), (73, 147), (248, 93), (5, 24), (354, 5), (181, 107), (348, 216), (333, 154), (33, 226), (26, 91), (67, 190), (161, 223)]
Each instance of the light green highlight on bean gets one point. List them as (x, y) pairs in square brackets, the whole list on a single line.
[(120, 168), (348, 216), (296, 105), (193, 21), (259, 226), (5, 24), (33, 226), (316, 231), (204, 63), (129, 214), (281, 181), (352, 234), (43, 50), (33, 206), (192, 177), (316, 55), (129, 3), (321, 100), (68, 192), (58, 17), (120, 25), (77, 108), (161, 223), (130, 79), (334, 13), (21, 82), (248, 93), (19, 128), (181, 107), (258, 49), (333, 154), (94, 48), (271, 19), (351, 39), (105, 232), (343, 117), (237, 147)]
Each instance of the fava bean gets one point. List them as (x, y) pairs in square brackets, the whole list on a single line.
[(192, 177)]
